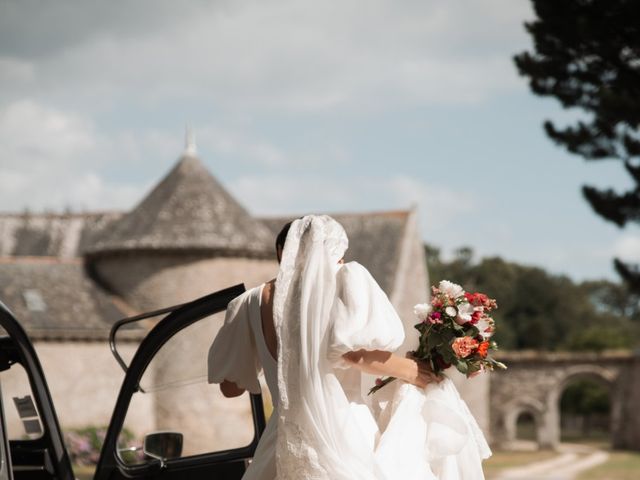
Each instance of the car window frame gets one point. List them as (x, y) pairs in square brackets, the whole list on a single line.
[(179, 319), (6, 472)]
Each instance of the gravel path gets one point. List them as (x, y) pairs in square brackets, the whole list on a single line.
[(572, 460)]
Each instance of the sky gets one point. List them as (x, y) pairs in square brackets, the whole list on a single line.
[(301, 106)]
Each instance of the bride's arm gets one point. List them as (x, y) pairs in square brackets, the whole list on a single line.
[(378, 362), (230, 389)]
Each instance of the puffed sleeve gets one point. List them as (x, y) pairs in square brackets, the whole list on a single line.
[(233, 354), (362, 315)]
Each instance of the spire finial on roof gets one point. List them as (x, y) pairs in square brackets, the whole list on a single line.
[(190, 142)]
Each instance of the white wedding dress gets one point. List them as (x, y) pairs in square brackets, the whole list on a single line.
[(324, 426)]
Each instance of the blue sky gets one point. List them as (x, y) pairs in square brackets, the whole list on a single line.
[(302, 106)]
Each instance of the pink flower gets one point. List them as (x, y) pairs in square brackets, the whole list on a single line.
[(463, 346), (435, 317)]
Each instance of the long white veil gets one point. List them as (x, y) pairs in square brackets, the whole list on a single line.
[(318, 437)]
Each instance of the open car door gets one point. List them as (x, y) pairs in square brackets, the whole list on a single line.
[(168, 422), (191, 430), (32, 446)]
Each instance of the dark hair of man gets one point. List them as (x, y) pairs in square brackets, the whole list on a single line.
[(282, 236)]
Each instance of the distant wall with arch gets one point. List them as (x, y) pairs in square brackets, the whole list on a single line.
[(535, 381)]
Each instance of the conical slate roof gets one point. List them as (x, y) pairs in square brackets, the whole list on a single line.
[(187, 210)]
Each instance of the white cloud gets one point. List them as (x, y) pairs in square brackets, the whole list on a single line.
[(439, 206), (34, 136), (49, 159), (292, 55), (78, 191), (627, 247), (88, 191), (16, 71), (240, 144), (12, 182)]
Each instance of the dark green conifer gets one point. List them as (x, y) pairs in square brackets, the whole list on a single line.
[(587, 55)]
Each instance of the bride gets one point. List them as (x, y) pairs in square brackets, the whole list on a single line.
[(317, 331)]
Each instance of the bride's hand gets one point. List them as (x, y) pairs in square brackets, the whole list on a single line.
[(420, 373)]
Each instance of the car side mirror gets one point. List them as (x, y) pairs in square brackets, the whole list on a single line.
[(163, 445)]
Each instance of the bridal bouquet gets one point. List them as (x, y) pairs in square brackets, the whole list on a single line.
[(455, 330)]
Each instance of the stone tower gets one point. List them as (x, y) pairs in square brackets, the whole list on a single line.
[(187, 238)]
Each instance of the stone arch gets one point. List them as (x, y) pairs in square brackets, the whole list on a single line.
[(516, 408), (595, 373), (543, 376)]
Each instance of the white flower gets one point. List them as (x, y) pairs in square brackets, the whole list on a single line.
[(451, 311), (422, 311), (485, 327), (452, 289), (465, 310)]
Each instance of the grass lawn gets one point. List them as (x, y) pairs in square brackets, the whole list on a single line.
[(509, 459), (620, 466)]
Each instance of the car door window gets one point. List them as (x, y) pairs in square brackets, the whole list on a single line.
[(22, 420), (174, 396)]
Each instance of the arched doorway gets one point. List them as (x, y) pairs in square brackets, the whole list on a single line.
[(526, 427), (585, 410), (523, 423)]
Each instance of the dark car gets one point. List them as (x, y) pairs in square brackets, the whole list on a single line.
[(43, 454)]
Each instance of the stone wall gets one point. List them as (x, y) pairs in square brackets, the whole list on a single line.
[(148, 281), (629, 432)]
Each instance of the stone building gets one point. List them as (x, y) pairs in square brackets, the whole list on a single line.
[(68, 277)]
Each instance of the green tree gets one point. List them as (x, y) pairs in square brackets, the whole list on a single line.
[(614, 298), (538, 310), (587, 55)]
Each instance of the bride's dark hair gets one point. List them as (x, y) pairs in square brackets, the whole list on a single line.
[(282, 237)]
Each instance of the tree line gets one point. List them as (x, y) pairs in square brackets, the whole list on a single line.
[(541, 310)]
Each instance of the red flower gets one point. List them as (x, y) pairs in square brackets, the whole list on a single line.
[(475, 317), (477, 299), (481, 300), (483, 349)]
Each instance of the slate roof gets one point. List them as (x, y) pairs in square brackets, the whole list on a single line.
[(187, 210), (375, 240), (55, 299), (49, 234)]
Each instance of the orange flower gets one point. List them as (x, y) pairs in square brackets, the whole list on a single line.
[(463, 346), (483, 349)]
